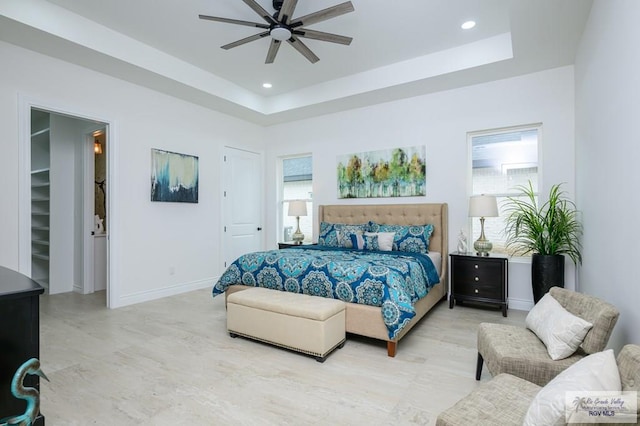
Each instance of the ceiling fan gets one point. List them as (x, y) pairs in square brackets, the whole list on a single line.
[(280, 27)]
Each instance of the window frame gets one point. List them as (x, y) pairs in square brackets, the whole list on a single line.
[(281, 199), (538, 127)]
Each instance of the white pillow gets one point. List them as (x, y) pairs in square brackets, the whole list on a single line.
[(594, 373), (385, 239), (560, 330)]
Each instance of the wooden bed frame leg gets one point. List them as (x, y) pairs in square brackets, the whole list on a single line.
[(391, 348)]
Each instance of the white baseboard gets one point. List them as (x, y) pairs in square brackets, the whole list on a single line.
[(148, 295), (520, 304)]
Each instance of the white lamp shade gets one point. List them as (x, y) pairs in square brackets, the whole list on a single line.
[(483, 206), (297, 208)]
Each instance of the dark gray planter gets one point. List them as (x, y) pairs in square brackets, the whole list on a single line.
[(547, 270)]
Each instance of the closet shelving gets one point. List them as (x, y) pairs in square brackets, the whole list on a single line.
[(40, 198)]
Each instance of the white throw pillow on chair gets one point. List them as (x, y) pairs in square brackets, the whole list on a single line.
[(595, 373), (560, 330)]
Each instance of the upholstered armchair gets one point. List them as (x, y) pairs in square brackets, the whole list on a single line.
[(505, 399), (519, 351)]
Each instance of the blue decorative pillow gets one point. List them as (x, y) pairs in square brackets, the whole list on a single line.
[(328, 235), (365, 242), (370, 242), (411, 238), (339, 234)]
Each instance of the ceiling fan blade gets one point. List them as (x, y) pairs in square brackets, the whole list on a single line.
[(303, 49), (319, 35), (245, 40), (233, 21), (323, 15), (260, 11), (286, 11), (273, 51)]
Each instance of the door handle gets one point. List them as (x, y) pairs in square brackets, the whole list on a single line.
[(259, 229)]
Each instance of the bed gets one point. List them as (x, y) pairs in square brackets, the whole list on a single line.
[(367, 320)]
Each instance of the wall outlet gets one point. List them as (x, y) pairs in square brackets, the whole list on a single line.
[(172, 270)]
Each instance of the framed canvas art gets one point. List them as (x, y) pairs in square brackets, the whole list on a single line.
[(174, 177), (398, 172)]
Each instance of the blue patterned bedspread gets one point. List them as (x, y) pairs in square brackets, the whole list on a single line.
[(391, 280)]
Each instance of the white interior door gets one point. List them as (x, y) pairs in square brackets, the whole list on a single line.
[(94, 247), (242, 200), (87, 286)]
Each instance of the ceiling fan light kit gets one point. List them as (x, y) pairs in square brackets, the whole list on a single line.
[(280, 33), (281, 27)]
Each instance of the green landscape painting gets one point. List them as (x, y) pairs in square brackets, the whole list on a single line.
[(398, 172)]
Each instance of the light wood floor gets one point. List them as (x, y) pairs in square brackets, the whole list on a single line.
[(171, 362)]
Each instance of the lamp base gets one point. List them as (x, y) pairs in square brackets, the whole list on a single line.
[(483, 247), (298, 236)]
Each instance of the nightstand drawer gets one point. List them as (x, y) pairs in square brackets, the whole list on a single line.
[(485, 291), (472, 272)]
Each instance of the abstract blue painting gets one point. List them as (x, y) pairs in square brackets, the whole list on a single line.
[(174, 177)]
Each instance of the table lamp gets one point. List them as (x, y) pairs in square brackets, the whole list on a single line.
[(297, 208), (483, 206)]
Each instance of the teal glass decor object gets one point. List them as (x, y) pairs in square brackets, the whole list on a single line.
[(29, 394)]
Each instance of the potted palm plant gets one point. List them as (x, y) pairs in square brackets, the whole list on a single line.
[(549, 231)]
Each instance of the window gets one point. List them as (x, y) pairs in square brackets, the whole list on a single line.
[(502, 160), (297, 184)]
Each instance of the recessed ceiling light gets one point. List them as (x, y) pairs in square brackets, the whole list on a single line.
[(468, 25), (267, 85)]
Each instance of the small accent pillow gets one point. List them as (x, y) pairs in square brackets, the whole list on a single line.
[(357, 241), (370, 242), (365, 242), (345, 232), (411, 238), (385, 239), (594, 373), (560, 330)]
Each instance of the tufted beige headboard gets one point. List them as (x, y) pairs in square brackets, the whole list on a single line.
[(397, 214)]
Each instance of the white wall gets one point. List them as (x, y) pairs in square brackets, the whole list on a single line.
[(608, 152), (441, 122), (147, 239)]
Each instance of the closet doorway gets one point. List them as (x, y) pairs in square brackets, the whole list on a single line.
[(64, 220)]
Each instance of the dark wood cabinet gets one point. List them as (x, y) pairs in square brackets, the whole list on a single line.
[(292, 244), (19, 336), (479, 279)]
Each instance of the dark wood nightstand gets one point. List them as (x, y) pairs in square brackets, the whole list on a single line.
[(292, 244), (479, 279), (19, 336)]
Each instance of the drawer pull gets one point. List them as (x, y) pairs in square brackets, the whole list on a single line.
[(477, 279), (475, 266), (476, 290)]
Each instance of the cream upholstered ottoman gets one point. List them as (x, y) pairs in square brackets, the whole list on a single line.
[(308, 324)]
